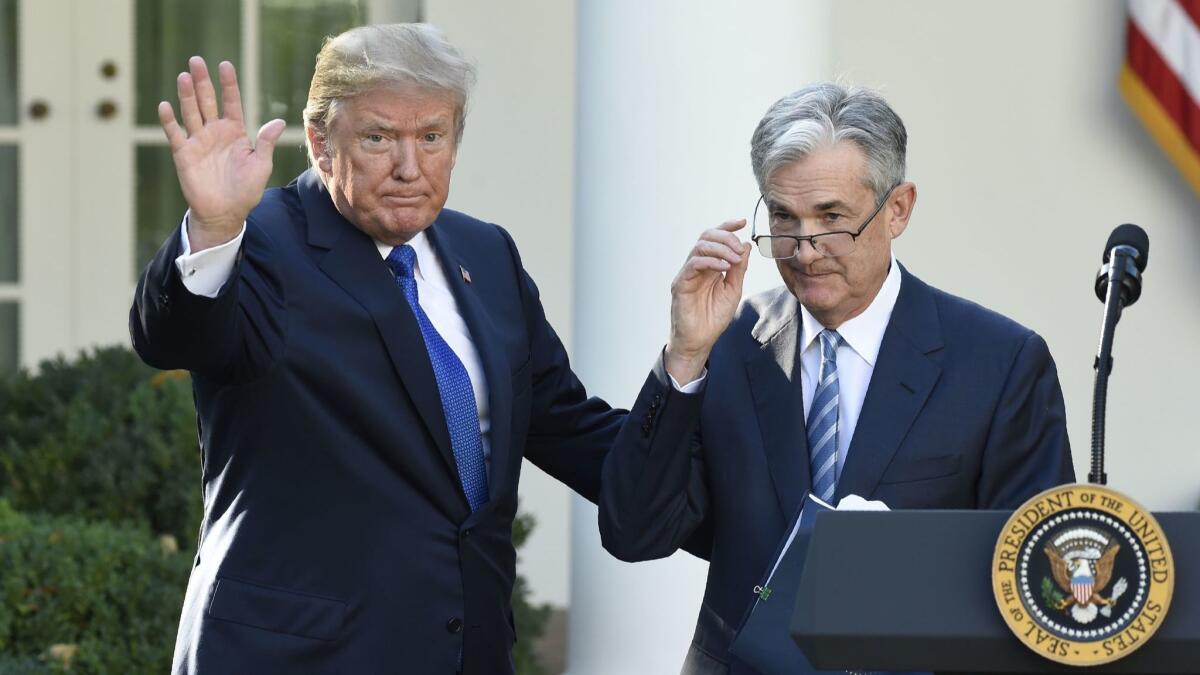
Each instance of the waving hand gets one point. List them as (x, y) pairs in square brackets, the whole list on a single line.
[(221, 174)]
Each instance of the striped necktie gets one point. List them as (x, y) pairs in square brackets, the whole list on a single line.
[(823, 420)]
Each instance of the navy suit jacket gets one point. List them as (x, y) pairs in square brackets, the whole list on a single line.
[(963, 411), (336, 535)]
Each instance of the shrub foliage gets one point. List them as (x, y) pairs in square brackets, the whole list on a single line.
[(107, 595), (106, 438)]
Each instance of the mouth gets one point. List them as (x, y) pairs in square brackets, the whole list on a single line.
[(403, 200), (806, 274)]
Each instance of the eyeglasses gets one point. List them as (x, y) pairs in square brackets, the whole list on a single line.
[(827, 244)]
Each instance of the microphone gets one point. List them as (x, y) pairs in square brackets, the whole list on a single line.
[(1126, 253), (1118, 285)]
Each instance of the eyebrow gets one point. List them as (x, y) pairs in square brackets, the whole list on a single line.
[(376, 124), (773, 206), (435, 121), (831, 205)]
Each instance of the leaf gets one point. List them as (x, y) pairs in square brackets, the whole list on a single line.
[(1050, 594)]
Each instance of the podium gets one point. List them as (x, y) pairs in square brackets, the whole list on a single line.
[(912, 590)]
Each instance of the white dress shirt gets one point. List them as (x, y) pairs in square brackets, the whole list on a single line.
[(204, 273), (856, 357)]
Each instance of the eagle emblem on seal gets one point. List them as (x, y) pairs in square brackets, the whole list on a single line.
[(1081, 562)]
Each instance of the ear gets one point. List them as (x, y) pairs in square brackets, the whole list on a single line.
[(320, 149), (900, 207)]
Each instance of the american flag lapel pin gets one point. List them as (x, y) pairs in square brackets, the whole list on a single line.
[(465, 274)]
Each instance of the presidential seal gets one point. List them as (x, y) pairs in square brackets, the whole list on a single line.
[(1082, 574)]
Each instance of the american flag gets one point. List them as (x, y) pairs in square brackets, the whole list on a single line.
[(1160, 79)]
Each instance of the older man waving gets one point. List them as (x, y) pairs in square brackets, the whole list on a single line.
[(369, 368)]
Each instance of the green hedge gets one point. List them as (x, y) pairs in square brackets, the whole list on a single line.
[(22, 665), (111, 594), (104, 437)]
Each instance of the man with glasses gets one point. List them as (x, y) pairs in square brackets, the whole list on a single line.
[(854, 377)]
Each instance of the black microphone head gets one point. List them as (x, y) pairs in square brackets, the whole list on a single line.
[(1130, 235)]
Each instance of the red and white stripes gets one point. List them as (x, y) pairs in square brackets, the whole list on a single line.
[(1160, 79)]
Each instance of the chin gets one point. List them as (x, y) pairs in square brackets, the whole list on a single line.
[(815, 300), (397, 220), (401, 233), (389, 232), (816, 307)]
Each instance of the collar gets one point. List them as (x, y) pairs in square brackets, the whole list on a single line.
[(863, 333), (422, 247)]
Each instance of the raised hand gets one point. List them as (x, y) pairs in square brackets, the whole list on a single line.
[(704, 296), (222, 175)]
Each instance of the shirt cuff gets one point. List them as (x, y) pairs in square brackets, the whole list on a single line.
[(205, 272), (689, 388)]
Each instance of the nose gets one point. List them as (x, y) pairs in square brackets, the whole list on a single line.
[(405, 167), (807, 253)]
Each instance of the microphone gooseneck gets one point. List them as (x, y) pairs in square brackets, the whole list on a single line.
[(1118, 285)]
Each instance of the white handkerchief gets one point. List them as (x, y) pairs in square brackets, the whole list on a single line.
[(856, 503)]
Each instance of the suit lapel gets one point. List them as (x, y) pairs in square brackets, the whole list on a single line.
[(353, 262), (773, 370), (903, 377), (495, 364)]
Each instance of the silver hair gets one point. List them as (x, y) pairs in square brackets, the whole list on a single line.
[(370, 57), (824, 114)]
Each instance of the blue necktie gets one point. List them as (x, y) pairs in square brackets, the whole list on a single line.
[(454, 386), (823, 420)]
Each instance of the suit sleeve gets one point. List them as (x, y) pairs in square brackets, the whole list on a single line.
[(1027, 449), (234, 336), (654, 497), (568, 432)]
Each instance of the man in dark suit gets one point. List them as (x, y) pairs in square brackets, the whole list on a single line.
[(855, 377), (369, 370)]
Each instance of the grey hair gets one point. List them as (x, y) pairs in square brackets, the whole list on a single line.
[(824, 114), (369, 57)]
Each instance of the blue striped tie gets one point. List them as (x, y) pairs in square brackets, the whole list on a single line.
[(823, 420), (454, 386)]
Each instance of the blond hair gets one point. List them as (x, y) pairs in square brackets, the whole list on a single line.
[(370, 57)]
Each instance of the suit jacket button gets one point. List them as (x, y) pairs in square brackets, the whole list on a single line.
[(454, 625)]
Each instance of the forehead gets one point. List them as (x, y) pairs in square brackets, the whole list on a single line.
[(831, 172), (401, 106)]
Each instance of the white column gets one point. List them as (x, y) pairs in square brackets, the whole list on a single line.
[(669, 94)]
